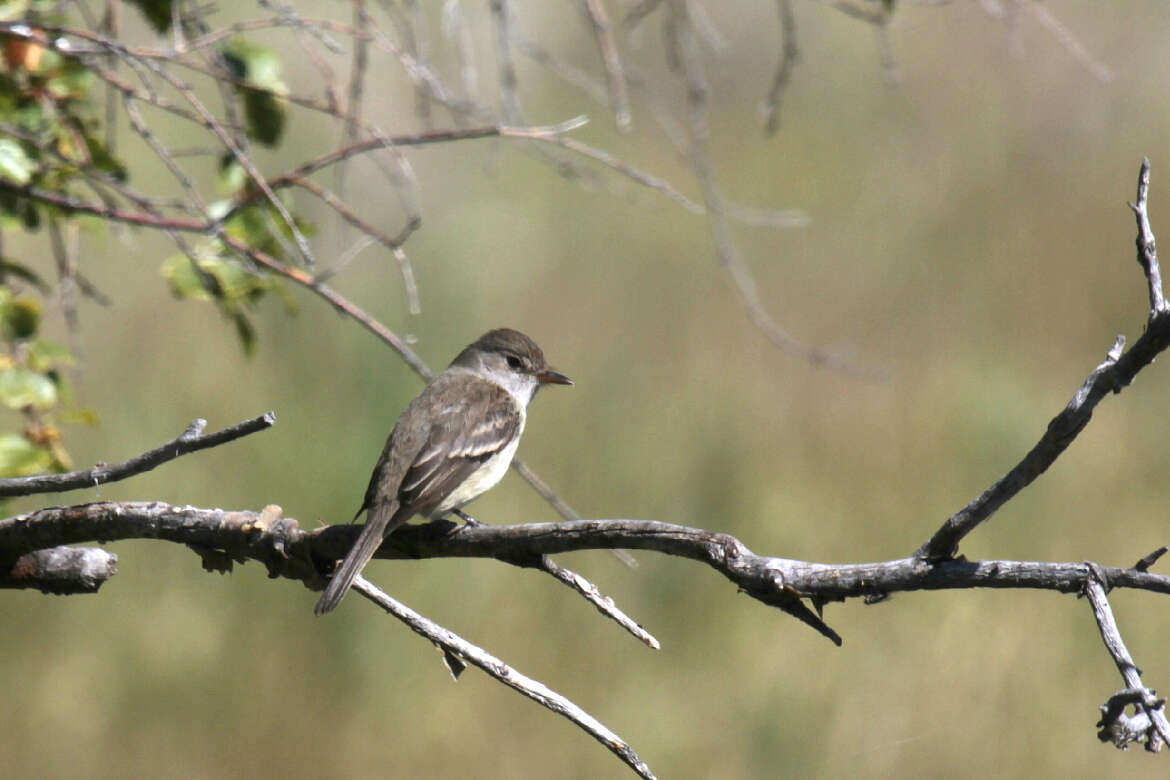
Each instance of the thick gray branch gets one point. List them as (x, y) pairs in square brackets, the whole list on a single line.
[(287, 551)]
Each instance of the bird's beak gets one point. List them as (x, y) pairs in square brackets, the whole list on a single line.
[(550, 377)]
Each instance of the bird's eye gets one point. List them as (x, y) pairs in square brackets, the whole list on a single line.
[(514, 362)]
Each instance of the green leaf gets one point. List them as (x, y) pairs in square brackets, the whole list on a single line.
[(71, 80), (44, 354), (18, 212), (102, 159), (20, 317), (157, 12), (13, 9), (259, 66), (264, 116), (19, 457), (227, 282), (255, 224), (223, 280), (15, 165), (184, 280), (20, 388), (246, 332), (81, 416), (232, 178)]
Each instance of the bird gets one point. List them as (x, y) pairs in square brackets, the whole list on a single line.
[(452, 443)]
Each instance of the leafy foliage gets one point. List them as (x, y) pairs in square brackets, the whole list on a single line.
[(264, 110), (31, 384), (54, 139)]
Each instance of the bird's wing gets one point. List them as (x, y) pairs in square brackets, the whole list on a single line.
[(421, 464), (465, 433)]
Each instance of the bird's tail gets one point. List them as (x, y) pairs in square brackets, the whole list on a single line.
[(359, 555)]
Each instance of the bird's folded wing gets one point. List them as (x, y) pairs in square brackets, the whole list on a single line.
[(462, 436)]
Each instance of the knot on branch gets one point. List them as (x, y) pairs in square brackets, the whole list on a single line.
[(1122, 729), (62, 570)]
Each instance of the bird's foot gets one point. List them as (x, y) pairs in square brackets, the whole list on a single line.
[(466, 518)]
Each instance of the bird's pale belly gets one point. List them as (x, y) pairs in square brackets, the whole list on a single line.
[(480, 481)]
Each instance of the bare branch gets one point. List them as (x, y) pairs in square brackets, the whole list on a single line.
[(1115, 725), (592, 594), (192, 440), (789, 52), (559, 504), (1059, 435), (289, 552), (607, 44), (684, 45), (1114, 374), (453, 644), (65, 255), (458, 32), (505, 66), (1101, 72)]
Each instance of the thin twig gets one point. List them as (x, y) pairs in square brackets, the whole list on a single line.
[(789, 52), (540, 693), (604, 604), (65, 257), (357, 80), (559, 504), (1101, 72), (684, 44), (409, 285), (458, 31), (191, 440), (345, 212), (240, 155), (607, 44), (506, 67)]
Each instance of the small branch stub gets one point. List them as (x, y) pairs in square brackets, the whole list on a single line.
[(1147, 251), (61, 571)]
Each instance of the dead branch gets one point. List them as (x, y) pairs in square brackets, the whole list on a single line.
[(288, 551), (454, 645), (1112, 376), (1150, 725), (191, 440)]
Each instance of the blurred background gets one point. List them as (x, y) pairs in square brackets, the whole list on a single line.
[(968, 244)]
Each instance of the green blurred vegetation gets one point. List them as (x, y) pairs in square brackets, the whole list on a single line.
[(969, 238)]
